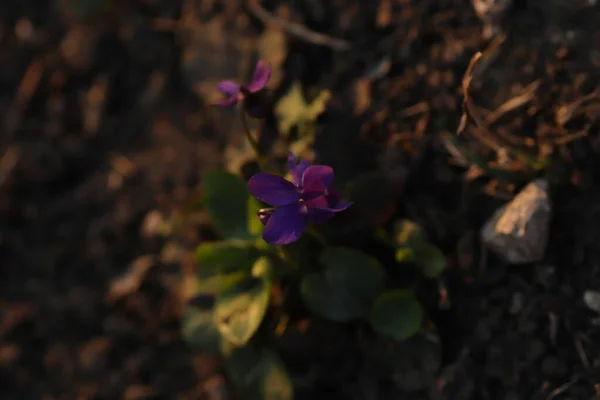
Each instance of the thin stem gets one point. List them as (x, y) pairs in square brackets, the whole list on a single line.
[(259, 157), (287, 257)]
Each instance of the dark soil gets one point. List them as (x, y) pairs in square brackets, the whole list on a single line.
[(105, 126)]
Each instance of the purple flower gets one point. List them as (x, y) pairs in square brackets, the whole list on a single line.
[(251, 95), (308, 199)]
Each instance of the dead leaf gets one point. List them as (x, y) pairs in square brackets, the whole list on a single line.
[(293, 109), (362, 95), (272, 47), (131, 280)]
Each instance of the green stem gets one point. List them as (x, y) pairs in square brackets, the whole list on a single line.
[(287, 257), (259, 157)]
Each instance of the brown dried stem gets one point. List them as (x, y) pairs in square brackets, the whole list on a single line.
[(295, 29)]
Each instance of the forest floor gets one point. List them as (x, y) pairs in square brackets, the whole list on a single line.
[(105, 128)]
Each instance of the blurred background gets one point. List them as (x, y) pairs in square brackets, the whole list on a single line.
[(105, 130)]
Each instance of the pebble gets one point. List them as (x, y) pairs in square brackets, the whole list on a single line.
[(518, 231)]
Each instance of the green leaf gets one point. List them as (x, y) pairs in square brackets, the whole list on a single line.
[(259, 374), (292, 109), (405, 254), (226, 201), (241, 307), (199, 329), (198, 326), (397, 314), (226, 257), (431, 260), (346, 288)]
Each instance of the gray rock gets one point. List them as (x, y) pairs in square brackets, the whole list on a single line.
[(518, 231)]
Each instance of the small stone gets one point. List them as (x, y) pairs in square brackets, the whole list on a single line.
[(518, 231), (591, 298)]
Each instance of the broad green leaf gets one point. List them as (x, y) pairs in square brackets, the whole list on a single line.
[(431, 260), (226, 201), (347, 287), (226, 257), (292, 109), (198, 326), (199, 329), (241, 307), (259, 374), (397, 314)]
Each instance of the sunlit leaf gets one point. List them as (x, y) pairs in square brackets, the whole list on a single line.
[(226, 201), (347, 286), (405, 254), (292, 109), (259, 374), (397, 314), (241, 306)]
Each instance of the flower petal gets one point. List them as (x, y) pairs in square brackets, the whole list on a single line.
[(230, 101), (262, 74), (319, 215), (296, 169), (286, 225), (341, 207), (316, 179), (229, 88), (273, 189)]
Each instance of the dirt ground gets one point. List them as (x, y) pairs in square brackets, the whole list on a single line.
[(105, 127)]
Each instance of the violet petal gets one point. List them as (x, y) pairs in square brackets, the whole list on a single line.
[(341, 207), (231, 101), (262, 74), (229, 88), (318, 202), (273, 189), (316, 179), (286, 225), (296, 169), (319, 215)]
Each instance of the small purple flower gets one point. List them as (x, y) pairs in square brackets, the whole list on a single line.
[(308, 199), (251, 95)]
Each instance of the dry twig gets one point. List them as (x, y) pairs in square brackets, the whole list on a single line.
[(296, 29), (27, 87), (525, 97)]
